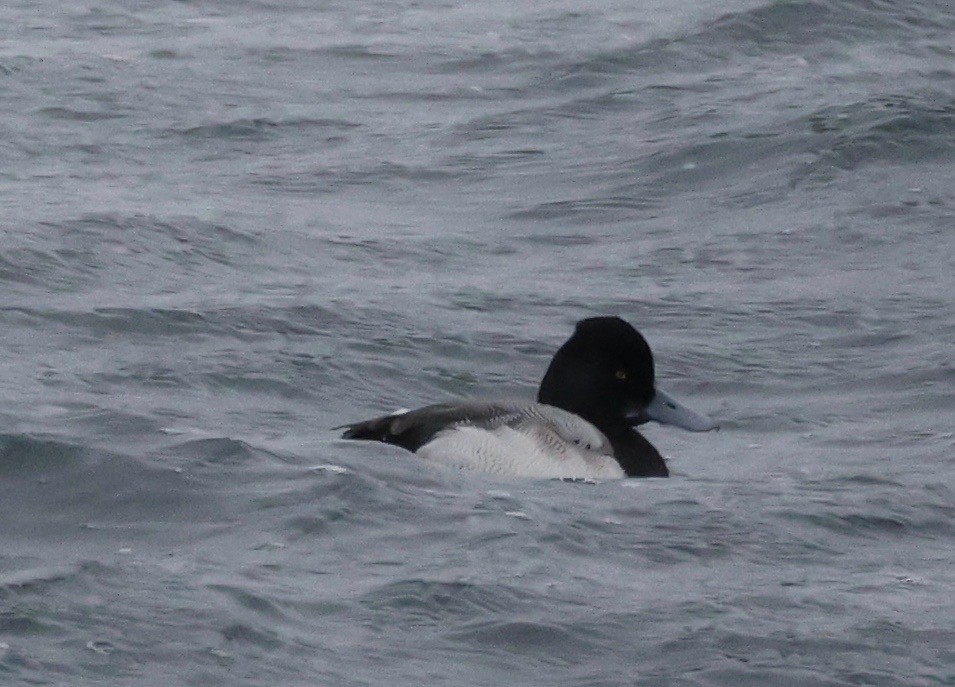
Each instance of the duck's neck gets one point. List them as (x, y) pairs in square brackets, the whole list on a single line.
[(637, 456)]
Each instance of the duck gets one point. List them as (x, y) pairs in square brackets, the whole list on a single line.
[(597, 390)]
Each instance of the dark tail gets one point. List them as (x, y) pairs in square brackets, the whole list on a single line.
[(378, 429), (390, 429)]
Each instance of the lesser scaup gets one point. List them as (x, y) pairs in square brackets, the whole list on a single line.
[(598, 388)]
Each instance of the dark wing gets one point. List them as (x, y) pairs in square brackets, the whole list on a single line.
[(415, 428)]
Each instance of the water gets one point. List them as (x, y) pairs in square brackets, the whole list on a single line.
[(228, 229)]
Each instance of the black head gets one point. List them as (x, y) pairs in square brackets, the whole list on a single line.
[(603, 373)]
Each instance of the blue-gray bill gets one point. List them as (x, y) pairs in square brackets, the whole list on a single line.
[(668, 411)]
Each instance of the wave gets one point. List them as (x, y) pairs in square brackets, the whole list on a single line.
[(788, 27), (50, 487), (897, 129)]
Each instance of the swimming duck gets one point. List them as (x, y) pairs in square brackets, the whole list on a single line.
[(598, 388)]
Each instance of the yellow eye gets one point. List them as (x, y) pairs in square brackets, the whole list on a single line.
[(620, 374)]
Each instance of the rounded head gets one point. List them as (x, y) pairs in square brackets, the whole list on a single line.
[(604, 372)]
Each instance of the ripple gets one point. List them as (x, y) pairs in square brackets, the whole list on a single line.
[(78, 115), (415, 601), (262, 128)]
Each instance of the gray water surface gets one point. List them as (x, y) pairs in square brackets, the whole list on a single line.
[(227, 229)]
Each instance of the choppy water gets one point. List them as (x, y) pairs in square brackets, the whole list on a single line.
[(228, 228)]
